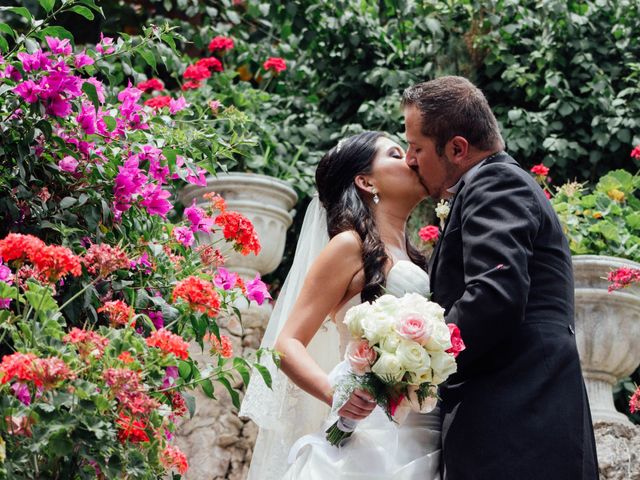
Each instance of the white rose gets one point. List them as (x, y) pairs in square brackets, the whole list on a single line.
[(428, 403), (353, 319), (412, 356), (443, 365), (386, 304), (440, 339), (388, 368), (377, 326), (389, 343), (420, 376)]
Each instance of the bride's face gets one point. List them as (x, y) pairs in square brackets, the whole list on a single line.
[(392, 177)]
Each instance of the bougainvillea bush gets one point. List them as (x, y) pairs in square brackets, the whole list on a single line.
[(102, 283)]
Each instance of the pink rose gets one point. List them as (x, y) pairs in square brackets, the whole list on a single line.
[(457, 345), (414, 327), (361, 356)]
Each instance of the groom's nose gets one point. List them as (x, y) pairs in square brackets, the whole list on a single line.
[(411, 159)]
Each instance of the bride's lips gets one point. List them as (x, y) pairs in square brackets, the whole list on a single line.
[(417, 172)]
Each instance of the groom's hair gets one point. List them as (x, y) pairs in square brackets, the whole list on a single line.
[(452, 106)]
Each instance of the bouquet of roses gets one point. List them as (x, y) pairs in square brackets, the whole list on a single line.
[(401, 349)]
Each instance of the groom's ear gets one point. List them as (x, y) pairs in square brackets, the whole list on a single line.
[(457, 150)]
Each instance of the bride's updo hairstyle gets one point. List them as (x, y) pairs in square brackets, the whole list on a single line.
[(349, 208)]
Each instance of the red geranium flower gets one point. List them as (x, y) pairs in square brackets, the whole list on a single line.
[(158, 102), (199, 294), (275, 64), (540, 170), (118, 312), (196, 73), (222, 347), (623, 277), (17, 365), (88, 342), (48, 372), (221, 44), (210, 63), (172, 457), (239, 229), (16, 246), (635, 153), (150, 85), (169, 343), (634, 402), (103, 259), (131, 430), (429, 234)]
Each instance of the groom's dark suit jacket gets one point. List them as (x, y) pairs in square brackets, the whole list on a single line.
[(517, 407)]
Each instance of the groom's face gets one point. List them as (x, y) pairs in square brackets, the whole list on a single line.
[(433, 169)]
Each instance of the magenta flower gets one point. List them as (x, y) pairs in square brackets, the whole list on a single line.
[(82, 59), (99, 87), (5, 274), (87, 118), (35, 61), (156, 318), (5, 303), (21, 391), (155, 200), (257, 290), (128, 182), (142, 264), (57, 46), (105, 46), (171, 373), (198, 218), (225, 279), (58, 107), (175, 105), (28, 90), (11, 72), (68, 164), (184, 235)]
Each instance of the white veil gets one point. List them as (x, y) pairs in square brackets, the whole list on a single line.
[(285, 413)]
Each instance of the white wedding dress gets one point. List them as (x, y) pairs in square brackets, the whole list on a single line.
[(378, 448)]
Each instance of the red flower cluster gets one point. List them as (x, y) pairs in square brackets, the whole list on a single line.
[(126, 358), (634, 402), (457, 345), (119, 313), (540, 170), (125, 385), (169, 343), (429, 234), (217, 202), (635, 153), (172, 457), (222, 346), (150, 85), (221, 44), (239, 229), (210, 256), (275, 64), (52, 261), (199, 294), (131, 430), (87, 341), (210, 63), (158, 102), (103, 259), (43, 372), (196, 72), (623, 277), (178, 404)]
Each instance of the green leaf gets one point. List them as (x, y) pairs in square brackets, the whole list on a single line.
[(240, 364), (264, 372), (184, 368), (7, 29), (190, 400), (84, 11), (235, 396), (56, 31), (67, 202), (4, 46), (633, 220), (40, 298), (22, 11), (207, 388), (92, 93), (149, 58), (110, 122), (47, 4)]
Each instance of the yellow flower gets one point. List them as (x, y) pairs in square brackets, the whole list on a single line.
[(244, 73), (597, 215), (616, 195)]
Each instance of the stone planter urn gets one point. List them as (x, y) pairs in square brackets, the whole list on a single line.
[(607, 331), (217, 442), (265, 201)]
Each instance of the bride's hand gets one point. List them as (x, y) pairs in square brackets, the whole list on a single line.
[(359, 406)]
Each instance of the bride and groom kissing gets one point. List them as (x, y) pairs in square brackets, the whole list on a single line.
[(516, 408)]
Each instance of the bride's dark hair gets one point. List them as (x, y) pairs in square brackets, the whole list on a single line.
[(347, 210)]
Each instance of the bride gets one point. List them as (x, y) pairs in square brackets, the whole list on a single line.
[(352, 248)]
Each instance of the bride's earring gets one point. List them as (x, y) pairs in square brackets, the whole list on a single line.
[(376, 198)]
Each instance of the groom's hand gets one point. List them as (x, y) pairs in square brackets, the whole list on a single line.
[(359, 406)]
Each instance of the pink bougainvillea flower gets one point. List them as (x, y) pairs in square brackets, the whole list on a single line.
[(155, 200), (82, 60), (175, 105), (68, 164), (257, 290), (87, 118), (28, 90), (105, 46), (11, 72), (184, 235), (58, 46), (58, 106), (199, 220), (225, 279), (34, 61)]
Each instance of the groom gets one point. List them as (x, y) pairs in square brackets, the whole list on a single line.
[(516, 408)]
